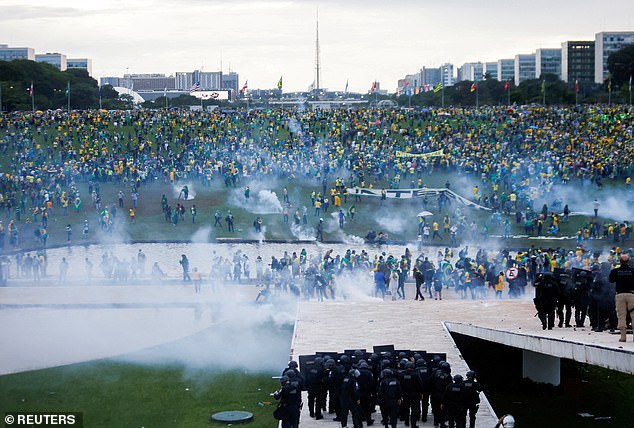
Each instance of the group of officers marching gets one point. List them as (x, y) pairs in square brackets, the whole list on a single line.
[(403, 386)]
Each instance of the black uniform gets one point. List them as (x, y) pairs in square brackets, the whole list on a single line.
[(546, 299), (367, 392), (316, 387), (290, 403), (425, 374), (389, 398), (440, 380), (472, 390), (350, 400), (582, 280), (454, 403), (412, 387)]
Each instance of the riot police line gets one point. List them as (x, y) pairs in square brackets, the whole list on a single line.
[(581, 293), (404, 384)]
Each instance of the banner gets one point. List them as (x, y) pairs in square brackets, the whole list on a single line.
[(415, 193), (437, 153), (211, 95)]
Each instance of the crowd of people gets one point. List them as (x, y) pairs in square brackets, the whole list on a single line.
[(516, 153), (405, 386)]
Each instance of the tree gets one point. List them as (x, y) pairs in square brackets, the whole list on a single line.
[(621, 65)]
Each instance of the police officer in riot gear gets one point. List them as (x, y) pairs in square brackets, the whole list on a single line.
[(367, 390), (425, 374), (440, 380), (290, 401), (472, 389), (454, 404), (546, 299), (315, 384), (389, 398), (412, 387), (350, 399)]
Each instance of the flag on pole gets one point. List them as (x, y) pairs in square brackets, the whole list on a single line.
[(245, 87), (164, 92), (279, 84), (346, 90), (438, 87), (474, 86), (195, 87), (609, 85), (543, 86), (506, 85), (373, 86), (630, 83), (67, 88), (576, 86), (30, 90)]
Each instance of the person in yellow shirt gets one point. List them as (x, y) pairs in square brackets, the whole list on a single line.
[(132, 215), (499, 285), (435, 229)]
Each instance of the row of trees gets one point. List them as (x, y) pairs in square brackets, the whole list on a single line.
[(50, 88), (549, 89)]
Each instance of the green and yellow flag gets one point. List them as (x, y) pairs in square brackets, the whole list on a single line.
[(438, 88), (279, 84)]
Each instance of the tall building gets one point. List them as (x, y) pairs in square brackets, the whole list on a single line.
[(606, 43), (491, 70), (10, 53), (230, 81), (148, 82), (430, 76), (524, 67), (446, 74), (577, 61), (506, 70), (547, 61), (81, 63), (57, 60), (471, 71), (206, 79)]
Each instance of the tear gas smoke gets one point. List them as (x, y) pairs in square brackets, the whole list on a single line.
[(178, 193)]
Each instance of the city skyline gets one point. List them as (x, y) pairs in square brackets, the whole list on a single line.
[(264, 39)]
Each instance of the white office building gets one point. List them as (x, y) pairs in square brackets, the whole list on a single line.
[(524, 67), (81, 63), (506, 70), (547, 61), (606, 43), (8, 53), (446, 74), (57, 60)]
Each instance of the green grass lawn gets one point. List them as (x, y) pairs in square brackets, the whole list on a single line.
[(119, 394), (177, 384)]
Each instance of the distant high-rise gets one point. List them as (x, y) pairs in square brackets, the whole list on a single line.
[(446, 71), (577, 61), (506, 70), (207, 80), (524, 67), (81, 63), (491, 70), (547, 61), (472, 71), (10, 53), (606, 43), (57, 60), (148, 82), (430, 76), (230, 81)]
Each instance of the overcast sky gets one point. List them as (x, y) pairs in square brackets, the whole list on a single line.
[(361, 40)]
